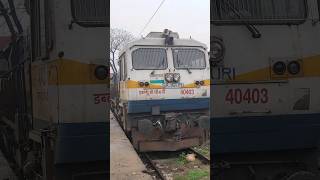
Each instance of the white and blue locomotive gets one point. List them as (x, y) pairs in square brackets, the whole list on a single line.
[(53, 96), (265, 88), (161, 93)]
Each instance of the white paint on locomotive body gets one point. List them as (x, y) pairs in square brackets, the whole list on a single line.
[(253, 60), (159, 88), (69, 70)]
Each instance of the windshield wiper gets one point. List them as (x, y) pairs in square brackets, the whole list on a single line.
[(178, 63), (189, 71), (254, 31)]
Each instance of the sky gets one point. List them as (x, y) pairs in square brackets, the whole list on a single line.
[(187, 17)]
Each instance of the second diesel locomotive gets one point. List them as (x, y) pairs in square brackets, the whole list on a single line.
[(161, 94), (53, 96), (265, 89)]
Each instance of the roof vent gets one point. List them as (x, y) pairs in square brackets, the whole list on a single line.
[(163, 34)]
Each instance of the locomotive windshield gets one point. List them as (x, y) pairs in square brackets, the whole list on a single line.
[(259, 11), (188, 59), (149, 59), (90, 12)]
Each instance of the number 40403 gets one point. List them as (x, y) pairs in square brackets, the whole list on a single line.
[(255, 96)]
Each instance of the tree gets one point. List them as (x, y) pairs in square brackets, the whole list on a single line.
[(118, 39)]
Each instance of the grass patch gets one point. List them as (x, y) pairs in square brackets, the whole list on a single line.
[(182, 159), (204, 150), (193, 175)]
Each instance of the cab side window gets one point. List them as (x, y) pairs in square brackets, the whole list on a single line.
[(41, 28), (124, 67), (121, 68), (90, 13)]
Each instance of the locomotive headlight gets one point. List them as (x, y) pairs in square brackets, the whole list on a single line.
[(169, 77), (141, 84), (279, 68), (217, 50), (294, 67), (101, 72), (176, 77)]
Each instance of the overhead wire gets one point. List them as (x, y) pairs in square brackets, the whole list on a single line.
[(150, 19)]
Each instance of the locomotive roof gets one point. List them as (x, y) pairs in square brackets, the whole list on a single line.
[(161, 42)]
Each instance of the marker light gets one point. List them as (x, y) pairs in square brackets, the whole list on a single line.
[(201, 83), (294, 67), (141, 84), (217, 50), (101, 72), (197, 83), (146, 84), (279, 68)]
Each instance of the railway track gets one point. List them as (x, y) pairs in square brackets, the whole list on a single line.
[(153, 165), (161, 164), (158, 165), (200, 156)]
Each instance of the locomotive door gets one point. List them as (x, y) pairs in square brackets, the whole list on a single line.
[(123, 90), (53, 94), (123, 77)]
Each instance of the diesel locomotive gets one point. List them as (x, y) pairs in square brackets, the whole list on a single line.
[(265, 75), (161, 93), (53, 108)]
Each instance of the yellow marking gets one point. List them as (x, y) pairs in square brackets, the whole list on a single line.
[(58, 72), (207, 82), (310, 68), (257, 75), (135, 84), (70, 72)]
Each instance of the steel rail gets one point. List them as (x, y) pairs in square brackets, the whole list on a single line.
[(154, 167), (200, 156)]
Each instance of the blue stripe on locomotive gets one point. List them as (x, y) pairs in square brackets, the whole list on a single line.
[(265, 133), (82, 142), (145, 106)]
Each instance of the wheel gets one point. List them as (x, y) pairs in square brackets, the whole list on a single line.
[(302, 175)]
